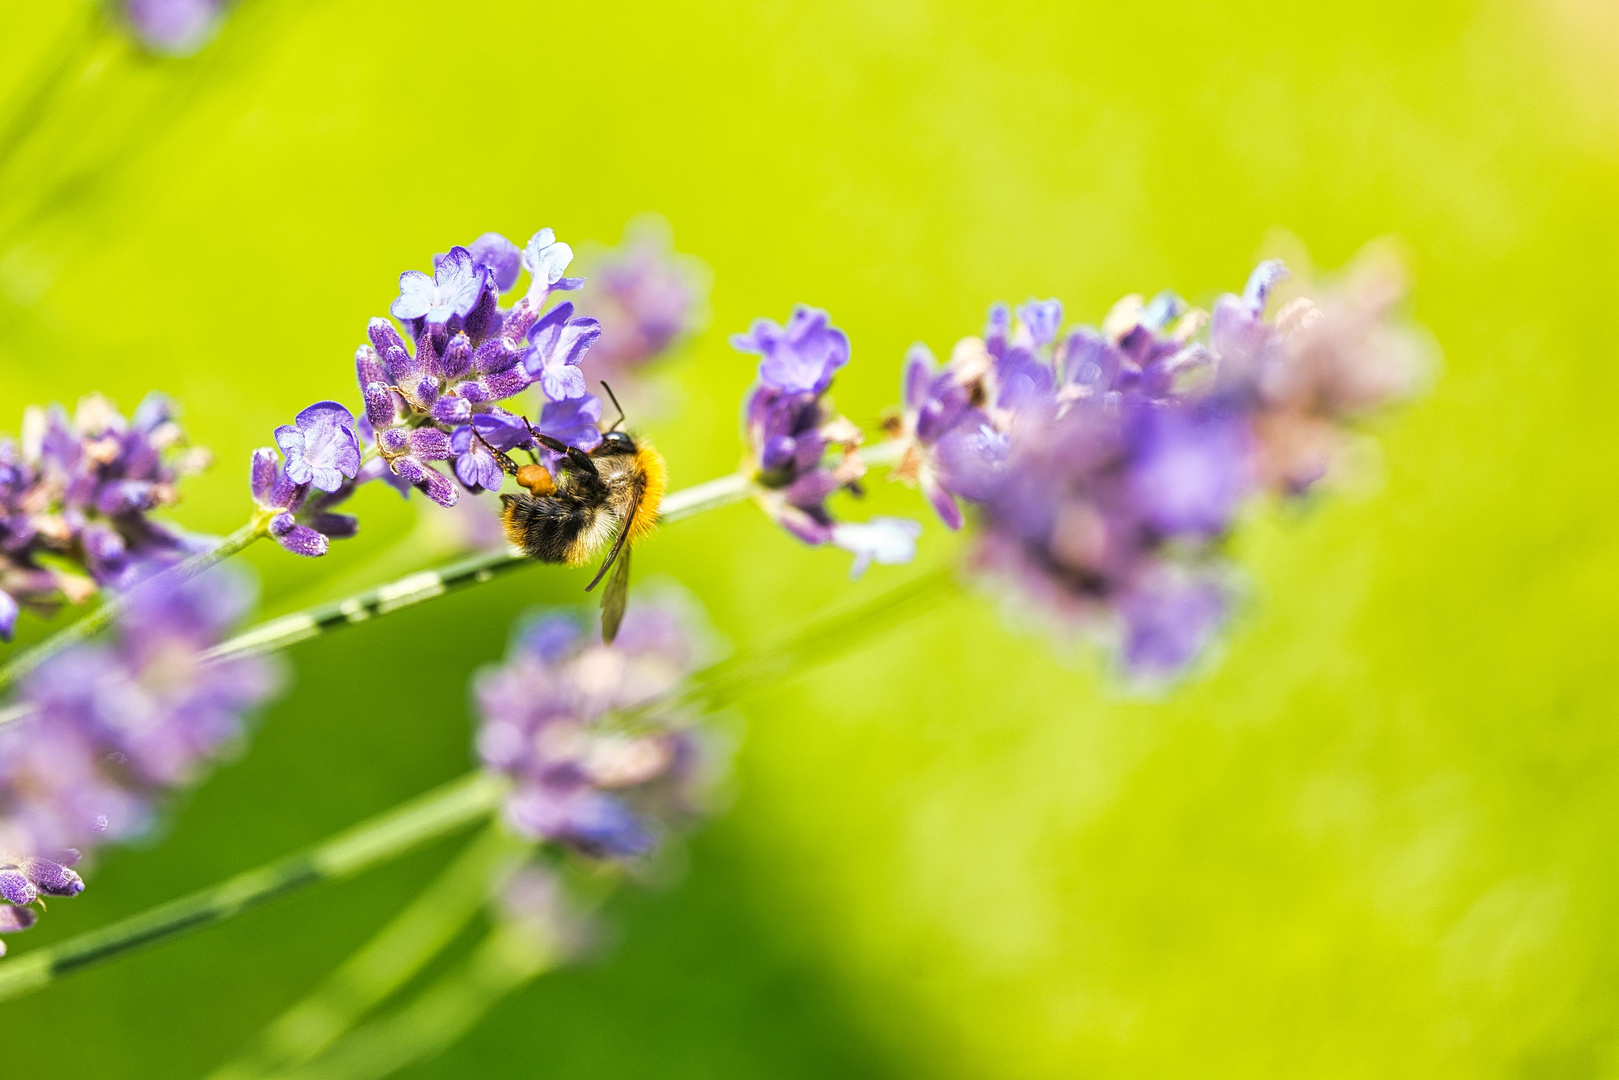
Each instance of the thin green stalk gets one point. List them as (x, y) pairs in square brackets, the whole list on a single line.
[(371, 843), (114, 606), (428, 584), (34, 101), (825, 639), (507, 959), (289, 630), (391, 958), (436, 813)]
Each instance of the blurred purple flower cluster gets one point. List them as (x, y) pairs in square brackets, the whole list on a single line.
[(75, 499), (173, 27), (799, 449), (432, 394), (101, 730), (1107, 465), (646, 298), (603, 790)]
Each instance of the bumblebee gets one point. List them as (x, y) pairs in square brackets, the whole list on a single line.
[(610, 494)]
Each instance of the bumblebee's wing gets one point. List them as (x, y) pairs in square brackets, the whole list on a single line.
[(614, 598), (617, 592), (618, 545)]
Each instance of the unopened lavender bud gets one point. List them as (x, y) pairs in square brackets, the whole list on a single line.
[(15, 886), (52, 878), (13, 919), (368, 367)]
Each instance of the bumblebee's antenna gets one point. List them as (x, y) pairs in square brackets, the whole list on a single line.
[(614, 399)]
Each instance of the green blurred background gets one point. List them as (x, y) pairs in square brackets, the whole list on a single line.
[(1376, 839)]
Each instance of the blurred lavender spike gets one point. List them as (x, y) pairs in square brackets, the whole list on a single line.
[(76, 495), (1107, 466), (111, 726)]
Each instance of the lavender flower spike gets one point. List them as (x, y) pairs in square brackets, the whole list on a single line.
[(1106, 467), (321, 447), (76, 495), (802, 356), (433, 393), (110, 726), (294, 516), (800, 450), (577, 781)]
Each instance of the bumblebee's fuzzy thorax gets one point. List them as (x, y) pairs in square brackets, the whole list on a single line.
[(650, 463)]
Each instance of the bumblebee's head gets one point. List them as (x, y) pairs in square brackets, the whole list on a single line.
[(615, 442)]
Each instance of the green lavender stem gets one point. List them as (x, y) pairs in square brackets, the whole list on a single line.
[(394, 955), (820, 641), (382, 600), (407, 591), (473, 570), (34, 100), (114, 606), (384, 837), (388, 835), (428, 584), (506, 959)]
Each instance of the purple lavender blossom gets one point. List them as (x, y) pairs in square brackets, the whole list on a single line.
[(799, 450), (1190, 468), (436, 400), (25, 878), (75, 498), (576, 421), (296, 516), (559, 342), (646, 297), (495, 253), (452, 291), (475, 464), (107, 727), (547, 712), (889, 541), (321, 447), (940, 428), (1093, 496), (546, 259), (800, 357), (173, 27), (1169, 620)]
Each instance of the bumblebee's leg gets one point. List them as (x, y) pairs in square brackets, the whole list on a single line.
[(576, 457), (507, 465)]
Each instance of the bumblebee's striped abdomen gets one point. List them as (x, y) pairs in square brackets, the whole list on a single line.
[(548, 528)]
